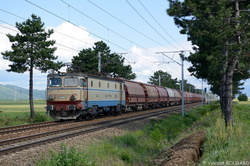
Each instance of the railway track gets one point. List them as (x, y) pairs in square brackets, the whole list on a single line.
[(20, 143), (6, 130)]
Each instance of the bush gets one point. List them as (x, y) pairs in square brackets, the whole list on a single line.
[(66, 157), (39, 118), (242, 97)]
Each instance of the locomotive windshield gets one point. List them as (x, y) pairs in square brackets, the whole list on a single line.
[(55, 82), (71, 82)]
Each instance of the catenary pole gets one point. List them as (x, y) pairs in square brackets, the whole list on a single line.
[(182, 74), (99, 62), (182, 85)]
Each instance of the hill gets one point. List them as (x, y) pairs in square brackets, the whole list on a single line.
[(12, 92)]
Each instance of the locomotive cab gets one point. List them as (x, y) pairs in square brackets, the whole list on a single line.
[(78, 95), (66, 95)]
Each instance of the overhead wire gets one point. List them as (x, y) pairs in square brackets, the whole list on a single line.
[(67, 20), (113, 16), (88, 31), (65, 34), (9, 28), (53, 29), (73, 37), (18, 32), (73, 24), (12, 14), (126, 24), (109, 29), (149, 24), (159, 24), (67, 47), (81, 28)]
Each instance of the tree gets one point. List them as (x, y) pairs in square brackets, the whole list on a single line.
[(220, 36), (31, 49), (165, 79), (111, 63), (242, 97), (188, 87)]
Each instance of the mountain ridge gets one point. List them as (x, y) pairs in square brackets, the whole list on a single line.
[(13, 92)]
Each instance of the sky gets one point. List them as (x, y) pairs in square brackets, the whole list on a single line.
[(136, 29)]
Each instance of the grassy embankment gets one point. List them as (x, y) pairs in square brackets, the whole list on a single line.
[(141, 147), (229, 146), (17, 113)]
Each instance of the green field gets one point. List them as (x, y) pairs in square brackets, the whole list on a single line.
[(9, 108), (16, 113), (243, 102)]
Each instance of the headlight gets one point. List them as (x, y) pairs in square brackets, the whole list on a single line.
[(51, 97), (73, 97)]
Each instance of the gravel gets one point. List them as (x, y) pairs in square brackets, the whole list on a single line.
[(28, 157)]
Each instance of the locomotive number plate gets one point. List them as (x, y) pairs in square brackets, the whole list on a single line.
[(62, 97)]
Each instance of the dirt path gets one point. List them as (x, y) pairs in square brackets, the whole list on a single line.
[(186, 152)]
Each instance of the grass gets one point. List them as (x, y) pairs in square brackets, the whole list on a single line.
[(17, 113), (141, 147), (10, 107), (243, 102), (229, 145), (138, 147), (66, 157)]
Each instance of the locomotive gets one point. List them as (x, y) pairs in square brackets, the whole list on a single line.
[(79, 95)]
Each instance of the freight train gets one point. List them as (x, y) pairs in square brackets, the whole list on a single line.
[(78, 96)]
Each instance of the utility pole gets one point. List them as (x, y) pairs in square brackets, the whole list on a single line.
[(202, 93), (182, 74), (182, 84), (99, 62), (159, 79)]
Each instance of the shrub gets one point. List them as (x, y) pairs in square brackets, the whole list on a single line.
[(66, 157), (40, 118), (242, 97)]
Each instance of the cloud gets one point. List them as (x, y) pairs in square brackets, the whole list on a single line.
[(149, 61), (69, 39), (3, 64), (5, 44)]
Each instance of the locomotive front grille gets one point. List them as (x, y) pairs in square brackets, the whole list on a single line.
[(72, 107), (49, 107)]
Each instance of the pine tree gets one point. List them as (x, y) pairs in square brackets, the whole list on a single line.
[(31, 50), (165, 79), (111, 63), (219, 31)]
